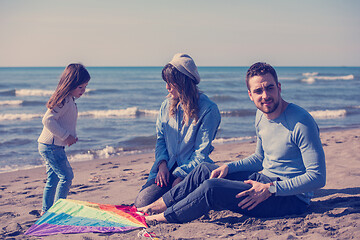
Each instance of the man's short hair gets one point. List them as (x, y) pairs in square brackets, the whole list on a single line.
[(260, 69)]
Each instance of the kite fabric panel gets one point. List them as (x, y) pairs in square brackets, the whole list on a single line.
[(73, 216)]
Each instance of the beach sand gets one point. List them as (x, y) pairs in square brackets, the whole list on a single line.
[(334, 212)]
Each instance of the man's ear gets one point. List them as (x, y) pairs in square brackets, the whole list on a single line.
[(250, 96), (279, 87)]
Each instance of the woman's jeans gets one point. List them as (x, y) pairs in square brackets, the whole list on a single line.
[(197, 194), (151, 192), (59, 174)]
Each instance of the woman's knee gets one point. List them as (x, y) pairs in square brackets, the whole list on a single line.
[(149, 195)]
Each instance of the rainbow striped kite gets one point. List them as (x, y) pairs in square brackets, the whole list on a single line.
[(72, 216)]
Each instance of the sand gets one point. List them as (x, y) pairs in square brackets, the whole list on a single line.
[(334, 213)]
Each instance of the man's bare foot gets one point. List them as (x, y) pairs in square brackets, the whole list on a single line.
[(156, 207), (152, 219)]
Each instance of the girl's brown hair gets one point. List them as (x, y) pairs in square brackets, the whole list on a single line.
[(74, 75), (188, 93)]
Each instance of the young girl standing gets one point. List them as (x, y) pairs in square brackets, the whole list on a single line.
[(59, 131)]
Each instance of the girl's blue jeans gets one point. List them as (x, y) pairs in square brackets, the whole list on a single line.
[(197, 194), (59, 174)]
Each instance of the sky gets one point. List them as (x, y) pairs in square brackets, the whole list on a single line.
[(150, 32)]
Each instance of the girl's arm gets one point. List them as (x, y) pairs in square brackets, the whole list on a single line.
[(50, 121)]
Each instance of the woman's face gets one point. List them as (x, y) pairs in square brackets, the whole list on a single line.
[(172, 90)]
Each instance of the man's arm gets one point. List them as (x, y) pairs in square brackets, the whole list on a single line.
[(251, 163), (306, 137)]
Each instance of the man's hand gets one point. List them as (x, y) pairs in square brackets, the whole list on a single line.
[(220, 172), (176, 181), (255, 195), (162, 178), (70, 140)]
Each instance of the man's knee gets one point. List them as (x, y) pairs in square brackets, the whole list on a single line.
[(211, 185)]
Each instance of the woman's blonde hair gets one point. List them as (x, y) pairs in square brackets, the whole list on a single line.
[(188, 93), (74, 75)]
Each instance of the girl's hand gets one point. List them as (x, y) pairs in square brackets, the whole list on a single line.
[(176, 181), (162, 178), (220, 172), (70, 140)]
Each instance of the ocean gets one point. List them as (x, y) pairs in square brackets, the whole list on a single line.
[(117, 114)]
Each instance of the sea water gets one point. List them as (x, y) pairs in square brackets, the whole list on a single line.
[(117, 114)]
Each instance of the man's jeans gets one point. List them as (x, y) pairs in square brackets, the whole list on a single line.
[(197, 194), (59, 174)]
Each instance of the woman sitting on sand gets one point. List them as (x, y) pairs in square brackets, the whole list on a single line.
[(186, 125)]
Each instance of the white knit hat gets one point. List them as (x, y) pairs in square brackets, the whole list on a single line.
[(186, 65)]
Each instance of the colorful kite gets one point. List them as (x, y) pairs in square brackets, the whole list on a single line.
[(72, 216)]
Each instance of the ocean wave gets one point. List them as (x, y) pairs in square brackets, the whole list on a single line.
[(6, 103), (131, 112), (106, 152), (101, 91), (328, 114), (11, 102), (310, 74), (222, 98), (237, 113), (19, 116), (311, 77), (33, 92), (12, 168), (229, 140), (7, 92)]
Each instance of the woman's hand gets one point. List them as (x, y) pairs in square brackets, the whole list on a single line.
[(162, 178), (70, 140)]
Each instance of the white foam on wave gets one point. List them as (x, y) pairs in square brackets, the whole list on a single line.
[(11, 102), (19, 116), (309, 80), (310, 74), (131, 112), (229, 140), (14, 168), (106, 152), (328, 114), (33, 92), (120, 113), (150, 112), (346, 77), (312, 77)]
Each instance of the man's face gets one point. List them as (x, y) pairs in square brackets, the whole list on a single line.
[(265, 93)]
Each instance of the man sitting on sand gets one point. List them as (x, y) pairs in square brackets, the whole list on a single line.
[(289, 155)]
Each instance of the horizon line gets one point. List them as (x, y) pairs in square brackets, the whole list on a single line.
[(113, 66)]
